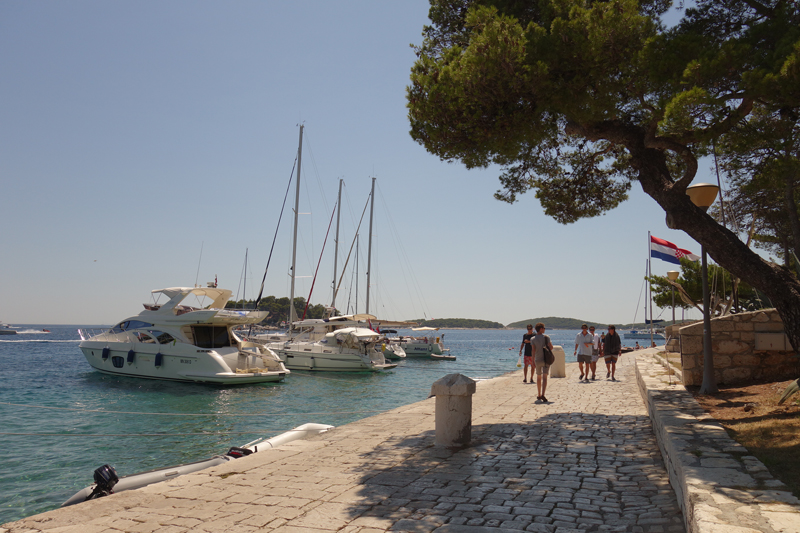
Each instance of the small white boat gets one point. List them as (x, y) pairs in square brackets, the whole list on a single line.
[(107, 482), (423, 345), (5, 329), (178, 342), (638, 334)]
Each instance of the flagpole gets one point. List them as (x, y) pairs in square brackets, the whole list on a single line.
[(650, 287)]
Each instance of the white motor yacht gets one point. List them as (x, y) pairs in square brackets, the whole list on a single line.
[(178, 342), (350, 349), (5, 329)]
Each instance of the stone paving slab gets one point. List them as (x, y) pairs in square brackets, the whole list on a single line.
[(585, 461)]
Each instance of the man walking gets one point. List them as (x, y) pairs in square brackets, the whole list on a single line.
[(583, 349), (595, 351), (539, 342), (526, 343), (612, 349)]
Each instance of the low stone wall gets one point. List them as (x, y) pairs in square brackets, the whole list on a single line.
[(746, 346), (721, 488)]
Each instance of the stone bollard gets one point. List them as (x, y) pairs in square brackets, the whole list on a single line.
[(453, 409), (559, 368)]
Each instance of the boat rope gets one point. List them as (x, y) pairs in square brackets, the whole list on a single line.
[(275, 237), (355, 239), (104, 411), (200, 433), (314, 281)]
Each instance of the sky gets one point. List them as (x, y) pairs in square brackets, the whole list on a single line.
[(146, 145)]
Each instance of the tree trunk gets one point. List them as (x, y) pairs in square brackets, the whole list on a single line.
[(724, 246), (790, 210)]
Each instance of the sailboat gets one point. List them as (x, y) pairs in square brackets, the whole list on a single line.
[(341, 349)]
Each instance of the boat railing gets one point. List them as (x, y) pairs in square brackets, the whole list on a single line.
[(87, 334), (106, 335), (376, 356)]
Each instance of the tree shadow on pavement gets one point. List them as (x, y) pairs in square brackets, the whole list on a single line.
[(587, 471)]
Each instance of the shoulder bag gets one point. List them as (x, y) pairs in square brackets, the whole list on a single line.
[(549, 358)]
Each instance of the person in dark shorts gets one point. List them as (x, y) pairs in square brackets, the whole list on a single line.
[(612, 349), (526, 343), (542, 369), (583, 349)]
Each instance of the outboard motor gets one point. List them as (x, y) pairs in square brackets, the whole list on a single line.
[(105, 478), (237, 452)]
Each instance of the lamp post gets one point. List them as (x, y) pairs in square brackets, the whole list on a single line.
[(673, 275), (703, 195)]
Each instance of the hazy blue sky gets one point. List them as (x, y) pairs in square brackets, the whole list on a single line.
[(133, 134)]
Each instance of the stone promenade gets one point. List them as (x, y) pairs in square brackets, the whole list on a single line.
[(585, 461)]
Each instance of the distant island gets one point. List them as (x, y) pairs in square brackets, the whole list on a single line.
[(552, 322), (557, 322), (458, 323)]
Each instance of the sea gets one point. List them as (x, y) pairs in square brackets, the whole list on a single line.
[(60, 419)]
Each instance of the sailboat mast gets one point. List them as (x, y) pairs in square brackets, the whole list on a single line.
[(292, 312), (369, 248), (336, 249)]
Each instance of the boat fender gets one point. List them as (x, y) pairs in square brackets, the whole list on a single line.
[(106, 352), (105, 478), (159, 358), (237, 452), (131, 355)]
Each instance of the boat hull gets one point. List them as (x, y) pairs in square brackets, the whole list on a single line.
[(143, 479), (183, 363), (422, 349), (327, 361), (643, 335)]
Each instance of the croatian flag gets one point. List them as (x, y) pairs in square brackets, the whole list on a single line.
[(666, 251)]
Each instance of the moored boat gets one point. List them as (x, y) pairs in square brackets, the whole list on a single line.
[(178, 342), (350, 349), (427, 346), (637, 334), (107, 482)]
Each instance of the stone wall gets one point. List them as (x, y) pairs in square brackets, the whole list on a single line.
[(746, 346)]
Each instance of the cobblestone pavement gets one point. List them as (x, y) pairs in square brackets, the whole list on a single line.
[(585, 461)]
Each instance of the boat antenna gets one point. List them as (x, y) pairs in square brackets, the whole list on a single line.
[(313, 281), (197, 276)]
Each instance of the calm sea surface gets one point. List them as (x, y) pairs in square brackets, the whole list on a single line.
[(59, 419)]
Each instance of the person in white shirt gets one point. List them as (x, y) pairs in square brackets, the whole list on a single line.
[(583, 349)]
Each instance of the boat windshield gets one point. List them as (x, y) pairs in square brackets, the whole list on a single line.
[(211, 336), (130, 324), (161, 336)]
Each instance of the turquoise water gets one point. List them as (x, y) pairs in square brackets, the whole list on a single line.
[(59, 419)]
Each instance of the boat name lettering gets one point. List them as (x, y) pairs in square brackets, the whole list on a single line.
[(203, 351), (186, 361)]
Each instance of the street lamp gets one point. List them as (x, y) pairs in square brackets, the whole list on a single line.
[(673, 275), (703, 195)]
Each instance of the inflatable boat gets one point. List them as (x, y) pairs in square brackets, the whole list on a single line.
[(107, 482)]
